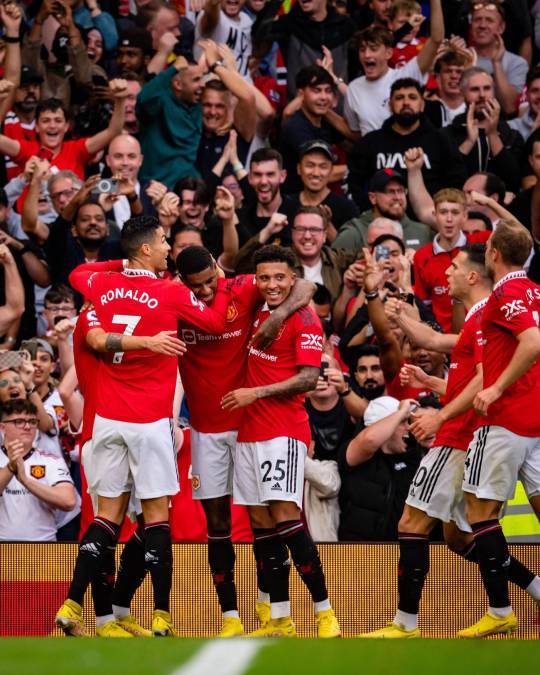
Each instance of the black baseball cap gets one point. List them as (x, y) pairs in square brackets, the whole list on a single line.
[(381, 179), (316, 146), (136, 37), (30, 76)]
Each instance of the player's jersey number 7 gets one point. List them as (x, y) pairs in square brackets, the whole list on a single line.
[(130, 322)]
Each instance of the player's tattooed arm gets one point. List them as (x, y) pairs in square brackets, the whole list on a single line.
[(300, 295), (305, 380), (166, 342), (113, 342)]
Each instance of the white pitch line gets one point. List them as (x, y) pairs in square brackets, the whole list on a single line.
[(226, 657)]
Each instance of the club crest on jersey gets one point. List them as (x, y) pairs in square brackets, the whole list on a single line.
[(232, 312), (311, 341), (195, 481), (37, 471)]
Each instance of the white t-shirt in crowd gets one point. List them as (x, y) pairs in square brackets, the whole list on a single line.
[(24, 517), (235, 34), (366, 101), (314, 274)]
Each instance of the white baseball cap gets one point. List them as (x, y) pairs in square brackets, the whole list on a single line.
[(380, 408)]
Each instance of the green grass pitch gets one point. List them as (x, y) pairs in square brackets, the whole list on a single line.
[(61, 656)]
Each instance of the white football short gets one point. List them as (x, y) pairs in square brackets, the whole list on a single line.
[(212, 463), (436, 488), (267, 471), (496, 459), (126, 455), (134, 506)]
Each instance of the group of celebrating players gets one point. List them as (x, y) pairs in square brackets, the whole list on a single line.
[(248, 350)]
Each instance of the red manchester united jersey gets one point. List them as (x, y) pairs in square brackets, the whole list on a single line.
[(298, 344), (139, 386), (430, 281), (513, 307), (216, 364), (466, 355), (87, 363)]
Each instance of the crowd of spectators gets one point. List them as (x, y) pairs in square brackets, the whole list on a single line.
[(341, 129)]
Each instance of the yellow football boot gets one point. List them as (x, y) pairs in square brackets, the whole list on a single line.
[(162, 624), (327, 624), (392, 631), (232, 627), (69, 619), (282, 628), (112, 629), (130, 624), (490, 625), (263, 612)]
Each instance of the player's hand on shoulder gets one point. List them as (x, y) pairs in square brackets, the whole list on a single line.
[(266, 333), (239, 398), (166, 343)]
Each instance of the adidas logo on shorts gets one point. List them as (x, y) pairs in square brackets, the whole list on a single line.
[(90, 548), (276, 486)]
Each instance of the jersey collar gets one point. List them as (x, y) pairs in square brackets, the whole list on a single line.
[(476, 307), (437, 248), (133, 272), (265, 308), (518, 274), (28, 454)]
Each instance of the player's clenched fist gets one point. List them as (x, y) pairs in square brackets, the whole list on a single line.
[(239, 398), (118, 88), (5, 255), (6, 87), (485, 398)]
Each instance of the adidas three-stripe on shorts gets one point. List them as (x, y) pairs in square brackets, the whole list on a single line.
[(270, 470), (436, 488), (496, 459)]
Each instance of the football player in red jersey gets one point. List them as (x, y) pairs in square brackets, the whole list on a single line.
[(89, 340), (214, 365), (506, 445), (133, 443), (436, 492), (273, 438)]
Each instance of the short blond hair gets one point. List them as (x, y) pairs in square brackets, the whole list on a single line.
[(450, 195), (408, 7), (513, 241)]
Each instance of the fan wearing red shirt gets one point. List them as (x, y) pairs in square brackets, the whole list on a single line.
[(432, 260), (273, 438), (214, 365), (52, 124), (133, 442), (507, 443), (391, 340)]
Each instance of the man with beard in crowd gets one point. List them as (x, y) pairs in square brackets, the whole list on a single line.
[(87, 240), (406, 128)]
